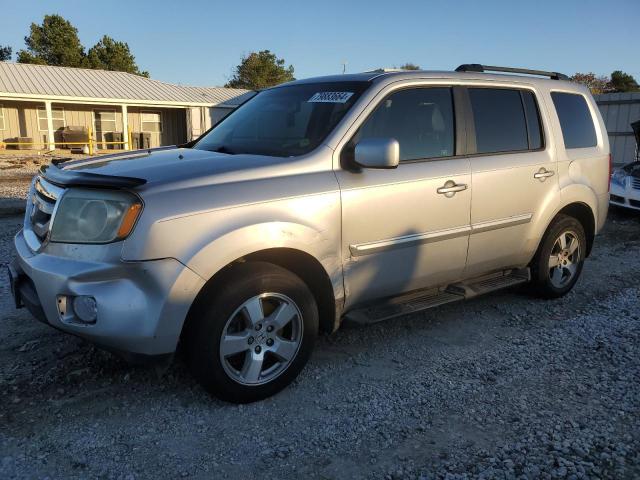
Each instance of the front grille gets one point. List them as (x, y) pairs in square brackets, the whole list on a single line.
[(616, 198), (635, 183), (634, 203), (43, 201)]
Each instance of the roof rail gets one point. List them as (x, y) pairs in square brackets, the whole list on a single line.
[(385, 70), (476, 67)]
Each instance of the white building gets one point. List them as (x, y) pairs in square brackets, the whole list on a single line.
[(37, 104)]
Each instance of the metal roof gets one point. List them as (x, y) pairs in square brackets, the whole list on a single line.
[(43, 81), (223, 95)]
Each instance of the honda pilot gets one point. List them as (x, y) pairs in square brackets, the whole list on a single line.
[(364, 197)]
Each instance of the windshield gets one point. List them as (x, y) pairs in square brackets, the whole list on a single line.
[(284, 121)]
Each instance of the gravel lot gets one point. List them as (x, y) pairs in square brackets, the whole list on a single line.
[(504, 386)]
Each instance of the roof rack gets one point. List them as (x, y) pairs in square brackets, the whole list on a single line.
[(385, 70), (476, 67)]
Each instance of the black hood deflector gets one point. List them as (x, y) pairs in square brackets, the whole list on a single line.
[(73, 178)]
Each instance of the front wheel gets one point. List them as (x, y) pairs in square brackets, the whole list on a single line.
[(558, 262), (253, 336)]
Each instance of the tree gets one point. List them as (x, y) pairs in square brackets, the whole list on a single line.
[(623, 82), (5, 53), (410, 66), (55, 42), (260, 70), (596, 84), (109, 54)]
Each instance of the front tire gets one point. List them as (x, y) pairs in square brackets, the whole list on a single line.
[(558, 262), (251, 333)]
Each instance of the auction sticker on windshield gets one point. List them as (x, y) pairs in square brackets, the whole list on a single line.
[(330, 97)]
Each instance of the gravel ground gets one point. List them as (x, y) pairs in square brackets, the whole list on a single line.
[(503, 386)]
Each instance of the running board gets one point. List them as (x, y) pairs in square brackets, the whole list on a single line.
[(424, 299), (490, 283)]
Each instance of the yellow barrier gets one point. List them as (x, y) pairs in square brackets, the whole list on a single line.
[(90, 143)]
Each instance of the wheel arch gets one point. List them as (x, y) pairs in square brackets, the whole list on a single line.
[(584, 214), (581, 211), (298, 262), (312, 272)]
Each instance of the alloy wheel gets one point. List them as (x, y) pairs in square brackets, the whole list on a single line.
[(261, 339), (564, 259)]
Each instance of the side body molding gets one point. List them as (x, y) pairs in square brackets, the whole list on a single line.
[(437, 236)]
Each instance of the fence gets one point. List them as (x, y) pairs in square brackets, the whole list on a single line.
[(91, 142), (619, 111)]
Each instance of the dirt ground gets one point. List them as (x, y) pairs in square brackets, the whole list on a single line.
[(503, 386)]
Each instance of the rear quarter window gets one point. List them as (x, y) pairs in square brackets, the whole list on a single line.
[(575, 118)]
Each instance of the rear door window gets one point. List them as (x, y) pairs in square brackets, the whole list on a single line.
[(575, 118), (499, 120)]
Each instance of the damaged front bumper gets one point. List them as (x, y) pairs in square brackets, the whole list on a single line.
[(140, 306)]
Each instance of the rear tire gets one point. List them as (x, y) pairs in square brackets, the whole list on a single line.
[(251, 333), (557, 265)]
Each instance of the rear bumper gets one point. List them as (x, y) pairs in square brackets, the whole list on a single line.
[(141, 306)]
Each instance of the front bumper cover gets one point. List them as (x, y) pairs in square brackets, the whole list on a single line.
[(625, 196), (141, 305)]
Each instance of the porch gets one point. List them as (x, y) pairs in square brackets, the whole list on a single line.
[(48, 125)]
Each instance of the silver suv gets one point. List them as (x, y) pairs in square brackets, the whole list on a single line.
[(364, 196)]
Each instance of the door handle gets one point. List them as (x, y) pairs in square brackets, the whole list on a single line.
[(543, 173), (450, 188)]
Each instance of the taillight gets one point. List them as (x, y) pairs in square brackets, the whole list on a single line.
[(610, 172)]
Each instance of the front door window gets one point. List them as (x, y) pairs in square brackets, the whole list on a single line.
[(420, 119)]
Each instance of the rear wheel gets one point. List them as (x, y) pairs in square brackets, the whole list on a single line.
[(254, 335), (558, 262)]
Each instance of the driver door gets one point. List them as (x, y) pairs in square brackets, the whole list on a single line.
[(401, 229)]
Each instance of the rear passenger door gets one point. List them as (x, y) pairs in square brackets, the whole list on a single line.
[(513, 176)]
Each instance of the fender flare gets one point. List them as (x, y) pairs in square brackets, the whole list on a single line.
[(251, 239), (580, 193), (569, 195)]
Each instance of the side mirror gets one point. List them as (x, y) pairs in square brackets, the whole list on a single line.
[(377, 153)]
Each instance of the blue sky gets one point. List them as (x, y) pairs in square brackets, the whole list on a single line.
[(200, 42)]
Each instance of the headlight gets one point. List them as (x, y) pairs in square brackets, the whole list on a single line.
[(94, 216), (619, 177)]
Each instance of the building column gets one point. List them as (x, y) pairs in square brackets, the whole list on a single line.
[(50, 138), (125, 127)]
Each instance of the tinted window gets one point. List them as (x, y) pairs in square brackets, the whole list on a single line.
[(421, 120), (533, 120), (499, 120), (284, 121), (575, 120)]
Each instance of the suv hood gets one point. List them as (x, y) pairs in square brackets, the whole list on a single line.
[(168, 165), (632, 169)]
